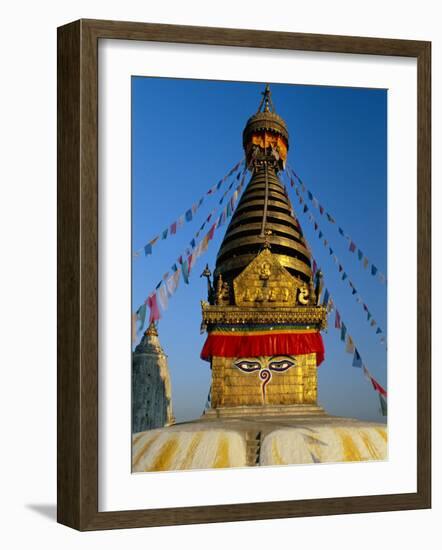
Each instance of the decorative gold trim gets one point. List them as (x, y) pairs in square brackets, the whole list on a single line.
[(315, 316)]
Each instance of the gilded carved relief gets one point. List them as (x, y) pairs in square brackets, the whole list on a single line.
[(265, 282)]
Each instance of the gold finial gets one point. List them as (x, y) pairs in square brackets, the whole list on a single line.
[(151, 330)]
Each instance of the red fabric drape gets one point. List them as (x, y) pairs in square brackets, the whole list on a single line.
[(246, 345)]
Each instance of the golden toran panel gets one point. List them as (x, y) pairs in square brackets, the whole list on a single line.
[(265, 283)]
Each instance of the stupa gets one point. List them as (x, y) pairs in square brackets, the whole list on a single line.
[(264, 320)]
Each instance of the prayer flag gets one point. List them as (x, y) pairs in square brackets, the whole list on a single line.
[(148, 249), (341, 231), (320, 234), (141, 316), (314, 268), (344, 276), (349, 345), (153, 305), (378, 387), (360, 254), (330, 218), (181, 221), (352, 246), (172, 282), (343, 331), (189, 215), (383, 404), (211, 232), (321, 209), (357, 361), (316, 226), (331, 251), (326, 297), (374, 269), (305, 208), (365, 263), (193, 243), (337, 319), (162, 297), (310, 196), (165, 232), (173, 228), (185, 271), (378, 330)]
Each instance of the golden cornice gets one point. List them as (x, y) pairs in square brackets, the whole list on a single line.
[(314, 316)]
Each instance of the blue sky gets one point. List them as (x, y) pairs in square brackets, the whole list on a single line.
[(186, 134)]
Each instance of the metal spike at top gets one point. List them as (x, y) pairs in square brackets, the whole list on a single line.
[(265, 118), (266, 101)]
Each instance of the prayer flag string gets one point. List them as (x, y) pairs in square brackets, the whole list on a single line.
[(189, 213), (351, 348), (352, 246), (343, 274), (158, 299)]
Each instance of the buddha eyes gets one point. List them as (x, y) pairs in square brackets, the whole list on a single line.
[(248, 366), (277, 364), (281, 365)]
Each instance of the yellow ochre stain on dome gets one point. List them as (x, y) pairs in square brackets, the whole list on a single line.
[(222, 454), (137, 438), (190, 454), (314, 445), (144, 449), (351, 451), (373, 452), (383, 433), (165, 456), (277, 458)]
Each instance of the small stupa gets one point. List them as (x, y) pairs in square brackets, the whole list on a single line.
[(151, 389)]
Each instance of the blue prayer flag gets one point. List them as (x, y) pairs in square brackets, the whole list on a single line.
[(189, 215), (185, 270), (357, 361), (148, 249), (343, 331)]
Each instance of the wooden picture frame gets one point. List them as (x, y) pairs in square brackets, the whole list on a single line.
[(78, 274)]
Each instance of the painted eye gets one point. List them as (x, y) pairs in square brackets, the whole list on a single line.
[(248, 366), (281, 365)]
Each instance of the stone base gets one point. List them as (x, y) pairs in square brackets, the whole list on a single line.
[(263, 411)]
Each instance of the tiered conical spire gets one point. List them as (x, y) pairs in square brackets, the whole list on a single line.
[(264, 213)]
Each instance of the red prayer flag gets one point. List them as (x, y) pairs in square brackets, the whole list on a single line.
[(378, 387), (173, 228), (337, 319), (211, 231), (153, 305)]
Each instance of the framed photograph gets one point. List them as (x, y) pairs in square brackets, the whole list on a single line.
[(244, 293)]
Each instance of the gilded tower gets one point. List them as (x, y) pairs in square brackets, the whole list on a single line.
[(263, 316)]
